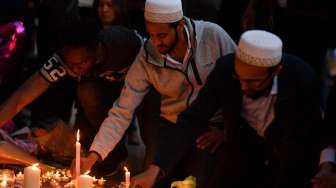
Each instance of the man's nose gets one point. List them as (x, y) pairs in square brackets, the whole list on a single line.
[(156, 42), (105, 8), (245, 86)]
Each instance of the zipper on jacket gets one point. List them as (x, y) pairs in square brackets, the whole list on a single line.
[(192, 87), (195, 71), (193, 63), (187, 78)]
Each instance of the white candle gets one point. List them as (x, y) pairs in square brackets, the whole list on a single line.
[(101, 182), (64, 178), (32, 177), (57, 176), (4, 181), (127, 177), (94, 179), (19, 176), (85, 181), (78, 148)]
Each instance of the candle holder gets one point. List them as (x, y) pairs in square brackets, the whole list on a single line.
[(7, 178), (123, 185), (101, 182)]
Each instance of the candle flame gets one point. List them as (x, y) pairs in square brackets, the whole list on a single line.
[(78, 135), (87, 172), (125, 168), (35, 165), (4, 183)]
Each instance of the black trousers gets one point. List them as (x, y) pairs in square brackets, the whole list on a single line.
[(256, 162), (196, 162)]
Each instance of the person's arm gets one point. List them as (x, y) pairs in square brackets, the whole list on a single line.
[(328, 154), (120, 115), (300, 118), (220, 40), (51, 72), (24, 95)]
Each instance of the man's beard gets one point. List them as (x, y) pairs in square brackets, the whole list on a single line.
[(171, 48), (254, 94)]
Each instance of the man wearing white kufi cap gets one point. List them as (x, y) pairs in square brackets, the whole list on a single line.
[(271, 115), (163, 11), (176, 60)]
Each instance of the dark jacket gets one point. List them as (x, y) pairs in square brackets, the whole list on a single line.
[(295, 127), (330, 119)]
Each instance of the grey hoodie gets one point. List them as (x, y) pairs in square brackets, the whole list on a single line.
[(178, 84)]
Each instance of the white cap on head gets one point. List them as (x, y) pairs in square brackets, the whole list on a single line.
[(259, 48), (163, 11)]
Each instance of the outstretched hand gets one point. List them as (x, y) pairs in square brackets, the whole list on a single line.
[(86, 164), (211, 140), (146, 179)]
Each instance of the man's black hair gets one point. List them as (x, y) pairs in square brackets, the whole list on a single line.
[(81, 33), (174, 24)]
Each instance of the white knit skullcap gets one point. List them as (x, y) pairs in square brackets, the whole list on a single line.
[(163, 11), (259, 48)]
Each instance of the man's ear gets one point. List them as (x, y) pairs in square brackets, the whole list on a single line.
[(180, 26)]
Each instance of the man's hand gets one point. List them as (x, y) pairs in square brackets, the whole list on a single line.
[(146, 179), (211, 140), (325, 178), (38, 132), (86, 164)]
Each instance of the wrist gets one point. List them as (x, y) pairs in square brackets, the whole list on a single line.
[(92, 158), (154, 170)]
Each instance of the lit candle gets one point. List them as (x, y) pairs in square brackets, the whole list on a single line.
[(19, 176), (101, 182), (78, 148), (64, 178), (85, 181), (94, 179), (4, 181), (71, 184), (57, 176), (32, 177), (127, 177)]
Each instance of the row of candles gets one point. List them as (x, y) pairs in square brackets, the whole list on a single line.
[(32, 178), (85, 179), (32, 174)]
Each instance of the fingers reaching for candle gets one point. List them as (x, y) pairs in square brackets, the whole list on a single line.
[(211, 140), (86, 164), (146, 179)]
